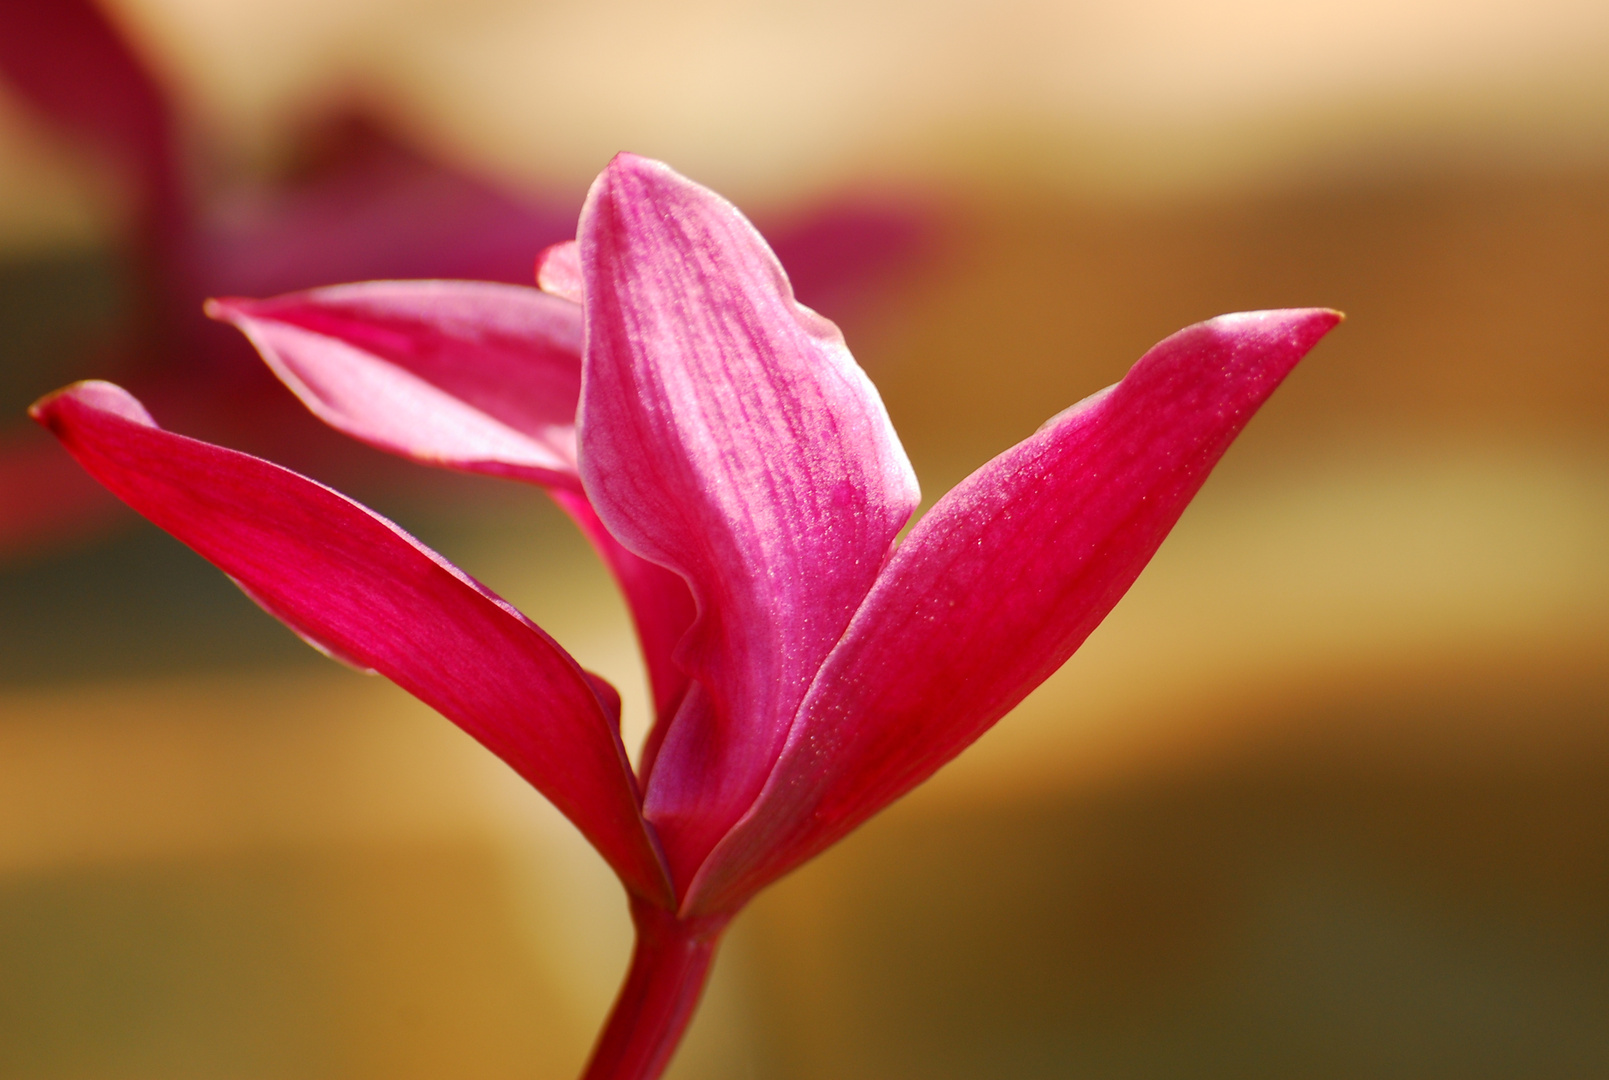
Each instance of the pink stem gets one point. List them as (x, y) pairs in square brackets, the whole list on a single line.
[(668, 969)]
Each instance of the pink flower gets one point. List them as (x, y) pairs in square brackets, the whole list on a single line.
[(737, 471)]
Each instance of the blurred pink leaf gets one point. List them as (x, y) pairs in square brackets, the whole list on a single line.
[(367, 207)]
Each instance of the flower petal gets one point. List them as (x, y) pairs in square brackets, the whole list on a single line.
[(727, 433), (999, 583), (351, 581), (661, 609), (72, 64), (558, 271), (466, 374)]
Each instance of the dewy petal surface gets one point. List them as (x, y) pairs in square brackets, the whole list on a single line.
[(1000, 582), (727, 433), (359, 587), (465, 375)]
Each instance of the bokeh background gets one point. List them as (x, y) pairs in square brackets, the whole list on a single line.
[(1327, 795)]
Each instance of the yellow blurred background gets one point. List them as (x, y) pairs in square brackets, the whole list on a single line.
[(1327, 795)]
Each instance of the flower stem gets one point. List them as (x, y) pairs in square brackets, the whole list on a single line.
[(668, 969)]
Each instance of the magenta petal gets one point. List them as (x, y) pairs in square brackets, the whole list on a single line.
[(358, 586), (470, 376), (465, 374), (72, 64), (727, 433), (1000, 582)]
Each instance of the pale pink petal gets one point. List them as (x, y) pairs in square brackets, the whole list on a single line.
[(465, 374), (727, 433), (558, 271), (999, 583), (347, 579), (74, 66)]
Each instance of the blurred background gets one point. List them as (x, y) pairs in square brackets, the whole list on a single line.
[(1327, 795)]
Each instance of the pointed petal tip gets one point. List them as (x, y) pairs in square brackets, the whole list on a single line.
[(241, 311), (42, 410), (1284, 316), (627, 171), (226, 309), (626, 161), (94, 393), (1319, 318), (1289, 332)]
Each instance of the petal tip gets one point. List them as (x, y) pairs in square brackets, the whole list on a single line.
[(1317, 321), (1298, 327), (633, 172), (1322, 316), (1286, 316), (46, 407), (226, 309), (626, 161), (95, 394)]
